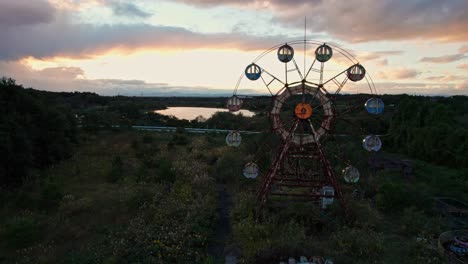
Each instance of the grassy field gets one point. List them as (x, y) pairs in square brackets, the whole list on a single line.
[(123, 197), (142, 197)]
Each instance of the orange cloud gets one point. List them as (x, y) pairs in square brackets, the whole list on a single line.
[(463, 49), (443, 59), (84, 40), (398, 73), (463, 66)]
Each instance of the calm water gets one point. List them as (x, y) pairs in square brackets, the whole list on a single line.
[(191, 113)]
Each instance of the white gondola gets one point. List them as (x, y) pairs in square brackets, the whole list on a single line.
[(372, 143), (233, 139), (250, 170), (234, 104), (351, 174)]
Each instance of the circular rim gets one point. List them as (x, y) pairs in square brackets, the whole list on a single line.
[(343, 52), (302, 88)]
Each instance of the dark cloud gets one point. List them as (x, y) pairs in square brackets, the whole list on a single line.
[(128, 9), (444, 59), (25, 12), (81, 40), (367, 20)]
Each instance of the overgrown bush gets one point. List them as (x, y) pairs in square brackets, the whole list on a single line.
[(229, 167), (391, 196), (50, 196), (421, 252), (116, 171), (270, 238), (362, 245), (20, 232), (413, 221)]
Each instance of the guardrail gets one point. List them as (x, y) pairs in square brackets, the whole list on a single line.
[(190, 130)]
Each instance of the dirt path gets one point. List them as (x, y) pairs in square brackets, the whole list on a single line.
[(222, 228)]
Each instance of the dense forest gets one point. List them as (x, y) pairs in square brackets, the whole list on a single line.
[(79, 185), (35, 132)]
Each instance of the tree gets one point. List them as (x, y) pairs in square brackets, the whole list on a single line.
[(35, 131)]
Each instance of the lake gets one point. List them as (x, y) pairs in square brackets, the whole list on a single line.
[(191, 113)]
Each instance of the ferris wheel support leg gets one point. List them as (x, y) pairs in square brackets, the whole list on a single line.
[(331, 178), (266, 184)]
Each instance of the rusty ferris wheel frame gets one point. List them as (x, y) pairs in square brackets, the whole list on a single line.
[(300, 162)]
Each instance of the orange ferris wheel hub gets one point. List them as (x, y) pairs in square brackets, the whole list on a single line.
[(303, 110)]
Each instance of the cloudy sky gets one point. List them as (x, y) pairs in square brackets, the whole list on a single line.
[(157, 47)]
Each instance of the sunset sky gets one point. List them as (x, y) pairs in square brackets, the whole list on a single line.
[(156, 47)]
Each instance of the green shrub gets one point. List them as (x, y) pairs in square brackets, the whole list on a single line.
[(267, 239), (413, 221), (178, 139), (51, 195), (116, 171), (164, 171), (138, 197), (420, 252), (147, 139), (228, 167), (20, 232), (135, 144), (391, 196), (24, 200), (361, 245)]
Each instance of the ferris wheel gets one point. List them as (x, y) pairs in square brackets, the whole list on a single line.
[(305, 90)]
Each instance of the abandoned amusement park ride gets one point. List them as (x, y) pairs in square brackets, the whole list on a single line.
[(305, 106), (300, 168)]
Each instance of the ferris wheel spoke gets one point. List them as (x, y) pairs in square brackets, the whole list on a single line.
[(284, 125), (314, 122), (314, 96), (334, 78), (297, 69), (311, 69), (322, 104), (314, 133), (274, 78), (266, 85), (340, 85), (303, 95), (322, 65), (349, 109)]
